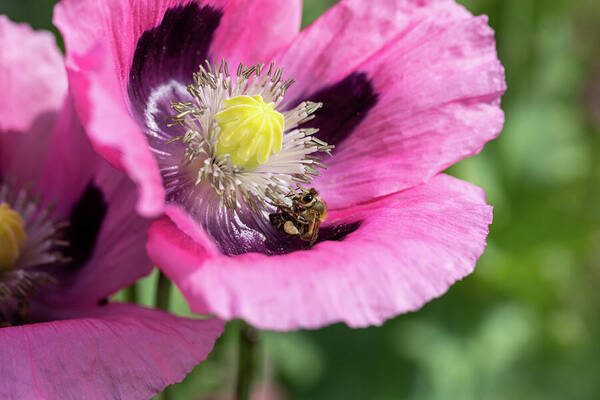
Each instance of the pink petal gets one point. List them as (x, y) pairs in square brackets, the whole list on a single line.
[(349, 33), (69, 162), (114, 134), (33, 85), (23, 153), (119, 257), (253, 30), (250, 29), (436, 81), (118, 351), (53, 159), (58, 163), (33, 80), (101, 38), (409, 248)]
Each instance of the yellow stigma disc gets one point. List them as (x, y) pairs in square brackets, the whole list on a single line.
[(12, 236), (251, 131)]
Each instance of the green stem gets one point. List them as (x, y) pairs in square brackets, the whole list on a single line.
[(131, 294), (247, 358), (161, 301), (163, 292)]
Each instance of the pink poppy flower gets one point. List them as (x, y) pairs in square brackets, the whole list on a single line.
[(68, 240), (402, 89)]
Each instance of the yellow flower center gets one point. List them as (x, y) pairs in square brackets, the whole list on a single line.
[(12, 236), (250, 130)]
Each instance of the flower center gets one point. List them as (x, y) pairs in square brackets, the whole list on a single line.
[(12, 236), (29, 247), (251, 130), (238, 139)]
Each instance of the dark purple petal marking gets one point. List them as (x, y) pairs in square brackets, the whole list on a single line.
[(337, 232), (85, 223), (242, 230), (345, 105), (250, 233), (172, 50)]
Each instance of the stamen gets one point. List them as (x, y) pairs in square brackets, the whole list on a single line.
[(239, 141), (42, 242), (16, 287), (40, 245)]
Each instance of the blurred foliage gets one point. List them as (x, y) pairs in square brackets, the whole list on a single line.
[(526, 323)]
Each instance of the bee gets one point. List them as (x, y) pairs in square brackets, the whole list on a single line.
[(304, 216)]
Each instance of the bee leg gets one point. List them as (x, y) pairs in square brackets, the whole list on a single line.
[(290, 228), (312, 233)]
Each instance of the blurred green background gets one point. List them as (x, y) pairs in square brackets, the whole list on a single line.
[(526, 324)]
